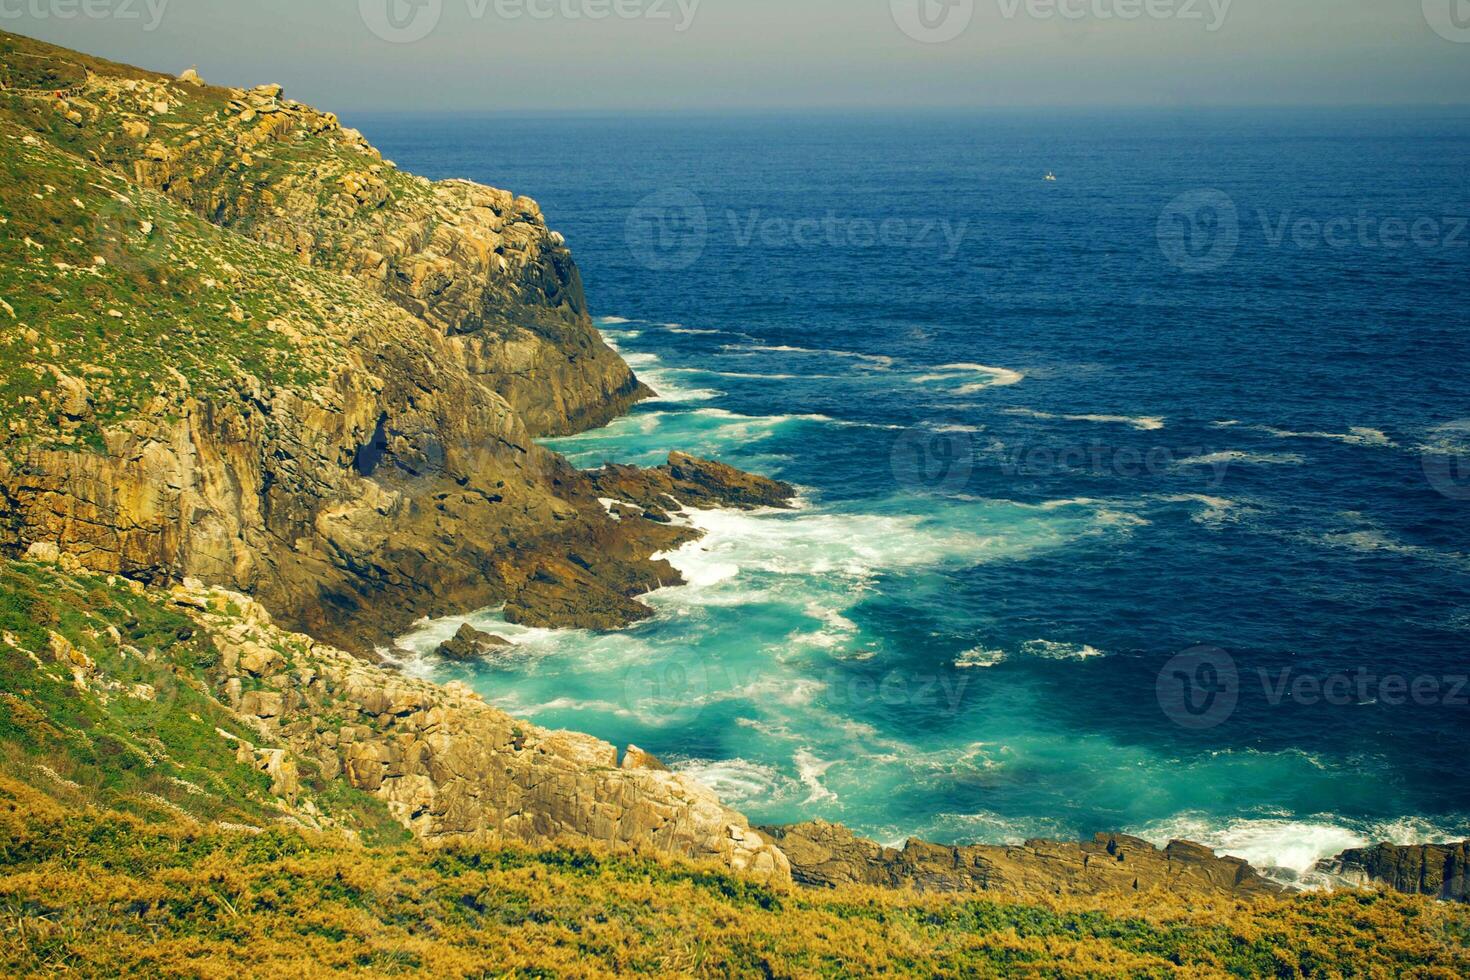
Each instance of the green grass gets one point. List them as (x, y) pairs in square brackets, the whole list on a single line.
[(146, 287), (153, 750), (174, 308)]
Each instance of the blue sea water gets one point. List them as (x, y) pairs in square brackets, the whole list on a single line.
[(1205, 389)]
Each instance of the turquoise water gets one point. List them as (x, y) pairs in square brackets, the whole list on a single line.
[(1035, 467)]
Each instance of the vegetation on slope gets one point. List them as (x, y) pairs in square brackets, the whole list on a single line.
[(102, 893), (103, 701), (119, 304), (136, 837)]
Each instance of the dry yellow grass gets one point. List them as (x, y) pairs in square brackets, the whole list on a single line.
[(96, 893)]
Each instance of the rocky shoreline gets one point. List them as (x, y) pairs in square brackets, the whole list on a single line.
[(257, 367)]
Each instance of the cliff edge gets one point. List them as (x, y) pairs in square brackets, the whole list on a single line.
[(239, 346)]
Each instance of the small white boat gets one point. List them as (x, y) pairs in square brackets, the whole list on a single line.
[(1050, 177)]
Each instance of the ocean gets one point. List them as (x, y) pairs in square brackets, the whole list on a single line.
[(1135, 499)]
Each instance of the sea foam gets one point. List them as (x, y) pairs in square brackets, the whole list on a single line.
[(1145, 423)]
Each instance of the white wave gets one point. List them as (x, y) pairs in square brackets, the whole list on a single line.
[(1070, 502), (1217, 510), (611, 338), (1295, 845), (1415, 830), (1144, 423), (1003, 376), (612, 320), (415, 652), (651, 370), (690, 331), (640, 360), (1376, 540), (735, 781), (956, 427), (995, 377), (1452, 439), (1232, 456), (748, 375), (1355, 436), (775, 420), (849, 546), (1104, 514), (665, 390), (836, 630), (980, 657), (1054, 650), (811, 770), (512, 706), (879, 361)]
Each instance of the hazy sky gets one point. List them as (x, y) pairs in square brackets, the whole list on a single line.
[(714, 54)]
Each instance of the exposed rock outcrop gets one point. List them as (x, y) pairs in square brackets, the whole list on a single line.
[(1437, 870), (687, 481), (830, 855), (469, 644), (450, 768), (304, 374)]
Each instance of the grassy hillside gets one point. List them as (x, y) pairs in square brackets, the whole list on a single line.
[(101, 893), (119, 304), (137, 837), (103, 701)]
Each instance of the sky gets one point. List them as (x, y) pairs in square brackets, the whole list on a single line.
[(713, 55)]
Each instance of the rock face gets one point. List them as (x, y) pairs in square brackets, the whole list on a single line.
[(470, 644), (830, 855), (360, 453), (686, 481), (1437, 870), (450, 768)]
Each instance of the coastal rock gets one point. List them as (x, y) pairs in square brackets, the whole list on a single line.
[(566, 593), (829, 855), (454, 770), (423, 336), (470, 644), (636, 758), (1438, 870), (687, 481)]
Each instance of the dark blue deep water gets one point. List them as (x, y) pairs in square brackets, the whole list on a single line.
[(1205, 391)]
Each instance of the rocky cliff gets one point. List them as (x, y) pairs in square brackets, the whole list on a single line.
[(1437, 870), (242, 347), (451, 769)]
